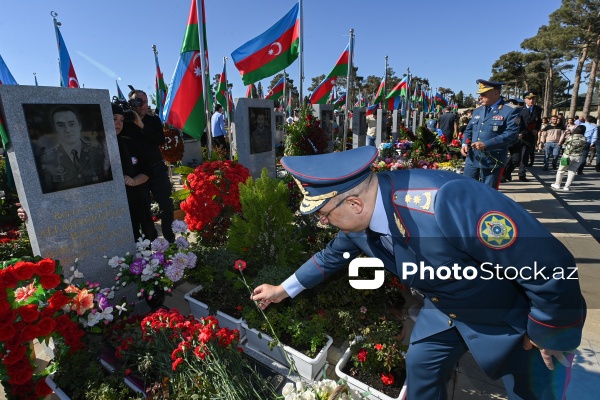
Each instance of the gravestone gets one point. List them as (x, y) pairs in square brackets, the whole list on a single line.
[(192, 152), (253, 131), (76, 206), (324, 112), (381, 134), (395, 124), (279, 128), (359, 127)]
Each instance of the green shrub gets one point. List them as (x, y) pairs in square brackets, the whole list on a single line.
[(265, 234)]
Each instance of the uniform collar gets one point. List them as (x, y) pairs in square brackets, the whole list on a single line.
[(379, 220)]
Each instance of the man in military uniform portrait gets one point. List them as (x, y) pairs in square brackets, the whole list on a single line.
[(261, 139), (492, 129), (71, 156)]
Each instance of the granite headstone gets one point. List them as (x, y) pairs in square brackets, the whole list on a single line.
[(359, 127), (253, 131), (76, 202)]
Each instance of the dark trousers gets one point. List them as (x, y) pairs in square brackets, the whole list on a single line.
[(219, 141), (430, 362), (139, 210), (159, 185), (515, 160), (583, 160)]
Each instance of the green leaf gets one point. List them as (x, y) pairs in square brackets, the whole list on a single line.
[(181, 195), (183, 170)]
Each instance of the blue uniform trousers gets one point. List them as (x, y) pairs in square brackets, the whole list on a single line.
[(489, 176), (430, 363)]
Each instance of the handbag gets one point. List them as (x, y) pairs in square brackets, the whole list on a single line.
[(564, 161)]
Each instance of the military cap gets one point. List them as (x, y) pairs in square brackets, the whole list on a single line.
[(529, 95), (485, 86), (517, 102), (323, 176)]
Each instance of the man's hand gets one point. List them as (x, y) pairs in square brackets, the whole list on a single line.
[(21, 213), (547, 354), (138, 120), (478, 146), (266, 294), (464, 150)]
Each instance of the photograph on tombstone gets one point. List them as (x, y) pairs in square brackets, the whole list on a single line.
[(326, 123), (261, 138), (69, 145), (279, 122)]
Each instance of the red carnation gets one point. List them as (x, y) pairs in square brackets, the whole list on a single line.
[(362, 355), (240, 265), (58, 300), (387, 379), (47, 266)]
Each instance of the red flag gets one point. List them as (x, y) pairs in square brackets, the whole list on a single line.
[(322, 91)]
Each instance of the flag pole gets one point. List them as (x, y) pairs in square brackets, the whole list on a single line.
[(227, 99), (35, 79), (407, 98), (301, 52), (56, 25), (282, 101), (203, 67), (350, 56), (384, 85)]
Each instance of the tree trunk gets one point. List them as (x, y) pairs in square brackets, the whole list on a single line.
[(592, 81), (577, 80), (548, 90)]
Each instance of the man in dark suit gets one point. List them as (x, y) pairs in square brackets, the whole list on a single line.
[(532, 115), (423, 224)]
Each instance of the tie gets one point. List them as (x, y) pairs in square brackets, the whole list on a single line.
[(487, 110), (381, 240), (75, 158)]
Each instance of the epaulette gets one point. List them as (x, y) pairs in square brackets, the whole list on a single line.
[(511, 105), (415, 199)]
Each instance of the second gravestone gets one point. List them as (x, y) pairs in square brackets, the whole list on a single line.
[(65, 159)]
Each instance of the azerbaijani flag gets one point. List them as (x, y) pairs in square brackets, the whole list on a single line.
[(372, 109), (68, 78), (399, 89), (276, 91), (6, 78), (184, 107), (271, 51), (340, 101), (120, 94), (379, 95), (392, 103), (222, 93), (440, 100), (161, 88), (249, 90), (319, 96)]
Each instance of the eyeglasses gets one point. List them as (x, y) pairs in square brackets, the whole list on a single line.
[(321, 217)]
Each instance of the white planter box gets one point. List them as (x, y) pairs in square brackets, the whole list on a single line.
[(57, 391), (308, 368), (362, 387), (198, 308)]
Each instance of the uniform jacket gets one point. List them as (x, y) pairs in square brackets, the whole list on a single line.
[(498, 130), (533, 122), (431, 221), (58, 171)]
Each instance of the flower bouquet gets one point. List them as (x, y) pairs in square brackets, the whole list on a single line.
[(36, 302), (180, 357), (156, 266), (324, 389), (173, 147)]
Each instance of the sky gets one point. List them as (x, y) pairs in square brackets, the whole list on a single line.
[(451, 43)]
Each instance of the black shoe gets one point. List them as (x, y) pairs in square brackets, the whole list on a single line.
[(554, 167), (597, 167), (503, 180), (579, 172), (545, 169), (523, 179)]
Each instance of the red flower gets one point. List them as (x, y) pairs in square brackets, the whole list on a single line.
[(20, 372), (8, 277), (58, 300), (387, 379), (50, 281), (16, 353), (362, 355), (240, 265), (378, 347), (24, 270), (29, 312), (47, 266), (176, 363), (46, 326), (42, 389)]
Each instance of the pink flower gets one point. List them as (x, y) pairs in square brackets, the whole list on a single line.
[(25, 292), (240, 265), (363, 309)]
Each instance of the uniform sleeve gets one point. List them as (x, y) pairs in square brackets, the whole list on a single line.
[(510, 133), (492, 228), (328, 261)]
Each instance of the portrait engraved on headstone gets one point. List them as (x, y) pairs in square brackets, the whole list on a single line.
[(261, 139), (69, 145)]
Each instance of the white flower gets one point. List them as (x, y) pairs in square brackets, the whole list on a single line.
[(115, 261), (308, 396), (300, 386), (94, 318), (121, 308), (287, 389)]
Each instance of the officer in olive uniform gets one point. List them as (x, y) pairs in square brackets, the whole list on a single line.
[(491, 130), (515, 323), (73, 162)]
